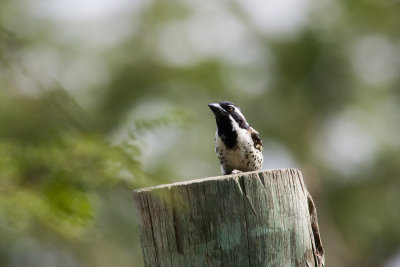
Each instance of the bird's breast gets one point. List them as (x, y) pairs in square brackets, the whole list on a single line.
[(243, 156)]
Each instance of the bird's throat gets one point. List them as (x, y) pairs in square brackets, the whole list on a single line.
[(227, 132)]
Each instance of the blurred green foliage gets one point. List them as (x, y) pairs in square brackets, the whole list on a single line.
[(98, 99)]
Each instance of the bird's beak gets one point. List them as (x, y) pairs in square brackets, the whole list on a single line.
[(216, 108)]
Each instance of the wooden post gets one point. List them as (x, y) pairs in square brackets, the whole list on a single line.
[(264, 218)]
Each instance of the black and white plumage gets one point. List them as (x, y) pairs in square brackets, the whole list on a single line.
[(237, 145)]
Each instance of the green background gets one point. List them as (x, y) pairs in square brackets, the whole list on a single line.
[(98, 98)]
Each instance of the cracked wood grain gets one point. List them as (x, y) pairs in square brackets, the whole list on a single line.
[(264, 218)]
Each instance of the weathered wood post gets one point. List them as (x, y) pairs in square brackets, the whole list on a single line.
[(264, 218)]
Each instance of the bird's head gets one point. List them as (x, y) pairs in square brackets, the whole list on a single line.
[(226, 114)]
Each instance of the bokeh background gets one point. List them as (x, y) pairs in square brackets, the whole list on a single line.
[(101, 97)]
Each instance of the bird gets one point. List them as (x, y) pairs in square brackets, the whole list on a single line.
[(237, 145)]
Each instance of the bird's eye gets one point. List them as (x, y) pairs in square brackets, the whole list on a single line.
[(231, 108)]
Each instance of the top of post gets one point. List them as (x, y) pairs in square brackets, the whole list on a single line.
[(221, 177)]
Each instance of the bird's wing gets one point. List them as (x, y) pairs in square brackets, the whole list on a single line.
[(256, 138)]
